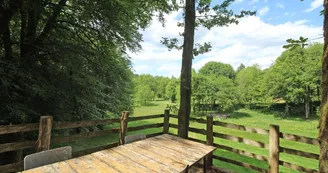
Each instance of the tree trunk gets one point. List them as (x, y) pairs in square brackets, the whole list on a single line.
[(187, 56), (307, 108), (323, 124), (307, 101)]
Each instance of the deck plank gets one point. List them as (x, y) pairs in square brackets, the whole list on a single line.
[(79, 165), (170, 164), (185, 158), (98, 164), (63, 167), (136, 156), (159, 154)]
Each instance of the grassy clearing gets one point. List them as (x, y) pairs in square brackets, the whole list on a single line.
[(243, 117)]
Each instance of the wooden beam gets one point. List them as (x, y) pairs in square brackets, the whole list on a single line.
[(245, 165), (298, 138), (70, 125), (297, 167), (274, 149), (299, 153), (241, 140), (166, 121), (209, 139), (124, 126), (13, 167), (146, 126), (138, 118), (16, 146), (241, 127), (6, 129), (44, 138)]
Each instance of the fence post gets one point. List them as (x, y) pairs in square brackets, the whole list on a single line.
[(124, 126), (43, 142), (209, 138), (274, 149), (166, 121)]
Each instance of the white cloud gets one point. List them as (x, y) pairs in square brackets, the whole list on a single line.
[(279, 5), (253, 2), (170, 69), (252, 41), (314, 5), (238, 1), (263, 11)]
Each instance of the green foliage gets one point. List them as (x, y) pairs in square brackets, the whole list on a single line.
[(67, 58), (155, 86), (214, 88), (241, 66), (209, 15), (171, 90), (250, 83), (293, 72), (217, 69)]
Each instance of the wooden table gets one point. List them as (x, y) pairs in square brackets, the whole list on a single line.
[(164, 153)]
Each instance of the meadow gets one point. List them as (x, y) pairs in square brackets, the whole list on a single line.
[(251, 118)]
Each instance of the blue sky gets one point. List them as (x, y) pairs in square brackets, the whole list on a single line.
[(255, 40)]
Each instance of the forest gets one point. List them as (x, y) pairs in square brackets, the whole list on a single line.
[(290, 85), (72, 60)]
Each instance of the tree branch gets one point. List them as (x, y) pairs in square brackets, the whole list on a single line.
[(51, 22)]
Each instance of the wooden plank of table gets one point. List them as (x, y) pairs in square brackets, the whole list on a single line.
[(167, 152), (62, 167), (171, 165), (164, 153), (99, 165), (42, 169), (79, 165), (196, 144), (136, 156), (196, 149), (119, 162)]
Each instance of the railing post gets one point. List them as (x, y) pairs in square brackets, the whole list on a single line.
[(124, 126), (209, 138), (274, 149), (166, 121), (43, 142)]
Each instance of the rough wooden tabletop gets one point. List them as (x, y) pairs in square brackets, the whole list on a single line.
[(164, 153)]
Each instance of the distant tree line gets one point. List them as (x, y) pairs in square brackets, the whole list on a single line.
[(291, 84)]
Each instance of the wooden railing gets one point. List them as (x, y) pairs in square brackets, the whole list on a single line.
[(273, 145), (46, 126)]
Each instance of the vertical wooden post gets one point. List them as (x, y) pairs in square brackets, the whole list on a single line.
[(124, 126), (44, 138), (274, 149), (209, 138), (166, 121)]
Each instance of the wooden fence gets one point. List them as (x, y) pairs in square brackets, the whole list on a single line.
[(274, 148), (46, 126)]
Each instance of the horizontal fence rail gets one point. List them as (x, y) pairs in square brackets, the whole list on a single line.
[(265, 132), (208, 132), (16, 146)]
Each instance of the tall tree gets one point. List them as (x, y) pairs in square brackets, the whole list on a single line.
[(217, 69), (209, 16), (323, 123), (241, 66)]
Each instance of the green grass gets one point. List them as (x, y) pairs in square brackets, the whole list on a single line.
[(242, 116)]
